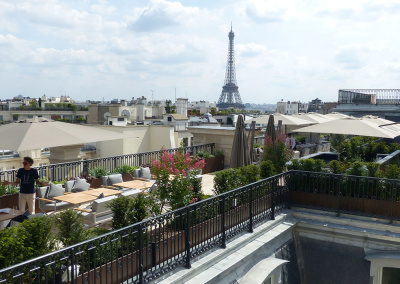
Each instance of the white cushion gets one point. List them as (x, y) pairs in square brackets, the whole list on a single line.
[(105, 180), (136, 173), (68, 185), (112, 179), (80, 185), (101, 205), (55, 190), (145, 173)]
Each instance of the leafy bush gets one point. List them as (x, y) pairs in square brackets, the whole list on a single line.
[(372, 169), (225, 181), (125, 169), (267, 169), (37, 235), (98, 172), (8, 189), (277, 152), (294, 165), (300, 139), (336, 167), (127, 211), (219, 152), (71, 229), (392, 172), (12, 249), (356, 169), (248, 174)]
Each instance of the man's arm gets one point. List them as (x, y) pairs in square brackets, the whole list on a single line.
[(39, 183), (16, 182)]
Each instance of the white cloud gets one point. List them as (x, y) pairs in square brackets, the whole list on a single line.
[(160, 13)]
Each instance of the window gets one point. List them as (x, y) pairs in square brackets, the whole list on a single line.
[(1, 118), (169, 118), (121, 119), (390, 275), (110, 123)]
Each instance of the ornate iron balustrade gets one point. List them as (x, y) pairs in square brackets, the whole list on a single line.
[(146, 250), (58, 172), (367, 196)]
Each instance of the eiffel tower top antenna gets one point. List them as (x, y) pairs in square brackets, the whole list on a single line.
[(230, 97)]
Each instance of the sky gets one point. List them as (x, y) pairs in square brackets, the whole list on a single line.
[(284, 50)]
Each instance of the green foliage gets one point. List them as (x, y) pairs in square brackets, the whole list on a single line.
[(337, 140), (8, 189), (125, 169), (98, 172), (225, 181), (219, 152), (372, 169), (392, 172), (300, 139), (336, 167), (71, 229), (356, 169), (37, 235), (277, 152), (248, 174), (267, 169), (12, 249), (204, 154), (127, 211), (294, 165)]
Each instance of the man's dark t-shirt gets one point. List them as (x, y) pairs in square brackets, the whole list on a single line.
[(27, 178)]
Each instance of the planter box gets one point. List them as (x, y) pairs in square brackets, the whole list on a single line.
[(213, 164), (10, 200), (95, 183)]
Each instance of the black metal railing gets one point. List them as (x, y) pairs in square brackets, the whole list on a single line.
[(68, 170), (146, 250), (367, 196)]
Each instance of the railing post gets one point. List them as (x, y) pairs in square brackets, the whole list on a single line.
[(213, 148), (288, 176), (339, 197), (223, 225), (272, 199), (187, 238), (251, 210), (140, 253)]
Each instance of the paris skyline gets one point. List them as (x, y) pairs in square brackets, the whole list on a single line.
[(296, 50)]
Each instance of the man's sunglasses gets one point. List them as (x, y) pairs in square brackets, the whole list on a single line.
[(25, 163)]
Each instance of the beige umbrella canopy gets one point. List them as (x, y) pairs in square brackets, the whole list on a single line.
[(286, 120), (36, 134), (313, 118), (336, 115), (240, 150), (351, 126)]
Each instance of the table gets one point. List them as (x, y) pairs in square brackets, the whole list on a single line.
[(8, 216), (76, 198), (138, 184), (106, 191)]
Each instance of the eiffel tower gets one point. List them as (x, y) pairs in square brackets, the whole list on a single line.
[(230, 97)]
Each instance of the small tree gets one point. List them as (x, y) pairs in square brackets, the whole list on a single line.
[(175, 174), (277, 152), (71, 229)]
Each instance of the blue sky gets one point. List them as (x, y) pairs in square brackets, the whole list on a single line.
[(290, 50)]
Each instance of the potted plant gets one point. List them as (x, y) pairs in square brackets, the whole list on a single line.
[(126, 171), (213, 163)]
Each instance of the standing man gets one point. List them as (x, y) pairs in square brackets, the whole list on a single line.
[(26, 178), (290, 141)]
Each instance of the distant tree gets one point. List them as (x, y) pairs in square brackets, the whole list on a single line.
[(168, 108)]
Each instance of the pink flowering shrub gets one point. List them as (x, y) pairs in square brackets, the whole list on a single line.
[(277, 152), (176, 177)]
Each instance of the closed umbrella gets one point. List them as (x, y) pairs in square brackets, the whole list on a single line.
[(37, 134), (270, 131), (240, 155), (351, 126)]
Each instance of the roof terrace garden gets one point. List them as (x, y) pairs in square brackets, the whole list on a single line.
[(143, 248)]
